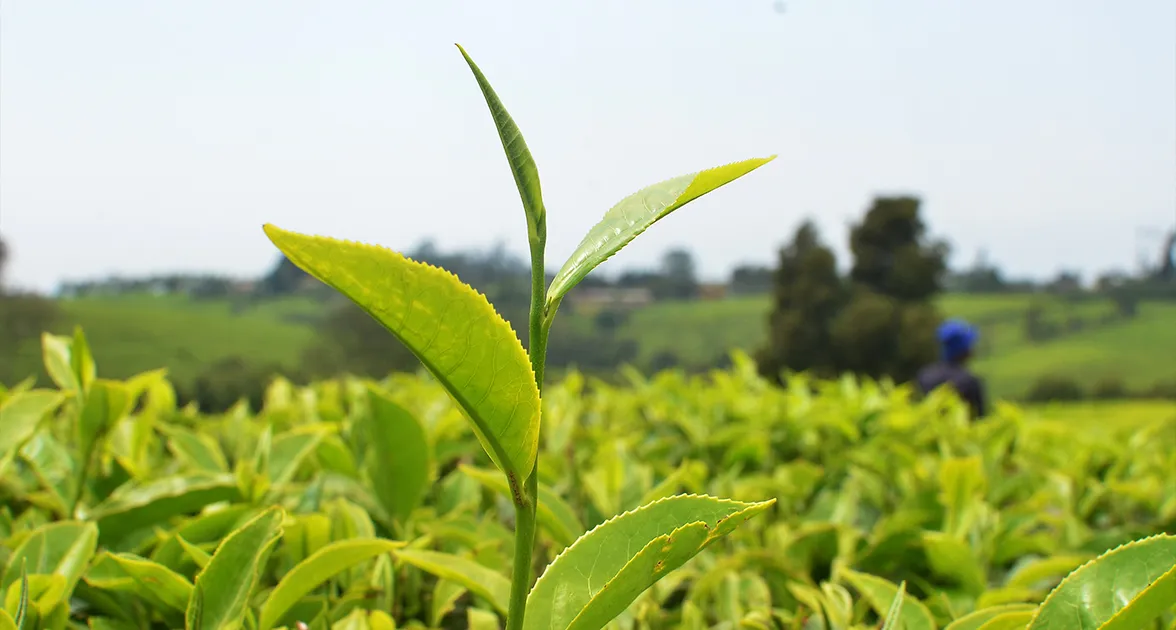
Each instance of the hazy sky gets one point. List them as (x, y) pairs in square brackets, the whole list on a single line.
[(146, 136)]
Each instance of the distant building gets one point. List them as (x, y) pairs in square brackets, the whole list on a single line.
[(612, 297), (712, 291)]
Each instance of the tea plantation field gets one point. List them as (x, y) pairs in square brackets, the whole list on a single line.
[(365, 504), (138, 333)]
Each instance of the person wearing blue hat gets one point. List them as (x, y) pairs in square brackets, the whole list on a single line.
[(957, 339)]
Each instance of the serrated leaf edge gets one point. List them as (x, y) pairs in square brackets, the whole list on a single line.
[(481, 301), (565, 550), (1072, 574)]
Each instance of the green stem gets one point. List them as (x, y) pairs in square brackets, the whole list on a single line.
[(526, 501)]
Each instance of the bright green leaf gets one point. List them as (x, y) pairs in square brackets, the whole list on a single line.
[(893, 618), (490, 584), (879, 593), (55, 353), (1125, 588), (221, 594), (605, 570), (6, 621), (635, 213), (399, 466), (522, 165), (977, 619), (450, 327), (23, 608), (63, 548), (556, 516), (1008, 621), (106, 403), (288, 451), (134, 507), (20, 415), (200, 451), (317, 569), (478, 619), (81, 360), (955, 559), (1045, 570), (161, 582)]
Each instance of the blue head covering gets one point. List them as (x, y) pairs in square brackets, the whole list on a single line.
[(956, 339)]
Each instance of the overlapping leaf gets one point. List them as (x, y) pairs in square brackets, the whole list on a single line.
[(599, 575), (1127, 587), (450, 327)]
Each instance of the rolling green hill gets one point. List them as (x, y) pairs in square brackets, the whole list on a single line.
[(135, 333), (1140, 352)]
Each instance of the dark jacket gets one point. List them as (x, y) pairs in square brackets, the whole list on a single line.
[(966, 384)]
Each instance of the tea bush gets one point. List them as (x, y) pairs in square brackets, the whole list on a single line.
[(360, 503)]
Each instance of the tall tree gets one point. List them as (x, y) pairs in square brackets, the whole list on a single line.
[(892, 255), (679, 279), (888, 327), (808, 293)]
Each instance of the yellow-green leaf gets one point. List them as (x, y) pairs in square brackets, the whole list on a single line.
[(605, 570), (20, 415), (880, 593), (399, 467), (635, 213), (134, 507), (1009, 621), (1125, 588), (450, 327), (490, 584), (316, 569), (893, 619), (977, 619), (6, 621), (159, 581), (55, 353), (522, 165), (556, 516), (63, 548), (221, 593)]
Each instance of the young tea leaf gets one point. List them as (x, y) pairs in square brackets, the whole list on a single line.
[(23, 608), (894, 615), (522, 165), (450, 327), (6, 621), (606, 569), (134, 507), (880, 593), (635, 213), (20, 416), (221, 593), (478, 579), (399, 467), (1009, 621), (977, 619), (1127, 587), (158, 581), (317, 569), (63, 548)]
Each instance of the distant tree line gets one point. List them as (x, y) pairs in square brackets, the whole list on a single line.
[(879, 320)]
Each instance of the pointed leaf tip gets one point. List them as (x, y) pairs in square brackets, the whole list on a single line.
[(634, 214), (518, 156)]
